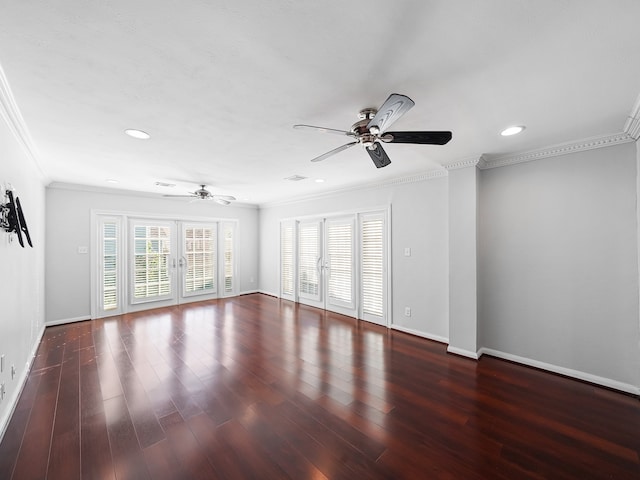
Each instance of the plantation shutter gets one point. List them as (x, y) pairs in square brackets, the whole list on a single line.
[(287, 260), (340, 262), (200, 254), (109, 265), (309, 256), (372, 264), (228, 258), (151, 266)]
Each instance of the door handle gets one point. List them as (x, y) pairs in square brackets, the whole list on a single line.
[(183, 262)]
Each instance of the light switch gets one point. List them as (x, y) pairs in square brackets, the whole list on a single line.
[(407, 251)]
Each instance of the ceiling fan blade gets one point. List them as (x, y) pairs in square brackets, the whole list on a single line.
[(379, 156), (224, 197), (423, 138), (390, 111), (323, 130), (221, 201), (180, 196), (333, 152)]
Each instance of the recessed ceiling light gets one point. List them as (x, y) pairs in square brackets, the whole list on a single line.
[(111, 180), (132, 132), (319, 180), (512, 130)]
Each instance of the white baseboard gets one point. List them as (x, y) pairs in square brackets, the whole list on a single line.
[(587, 377), (63, 321), (464, 353), (268, 293), (249, 292), (418, 333), (22, 380)]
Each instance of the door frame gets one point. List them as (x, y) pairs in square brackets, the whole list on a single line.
[(386, 211), (122, 219)]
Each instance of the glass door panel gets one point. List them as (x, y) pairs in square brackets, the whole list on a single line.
[(152, 265), (198, 259), (310, 263)]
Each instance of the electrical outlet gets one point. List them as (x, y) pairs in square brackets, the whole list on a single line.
[(407, 311)]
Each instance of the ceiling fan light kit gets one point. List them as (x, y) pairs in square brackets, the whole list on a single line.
[(371, 129)]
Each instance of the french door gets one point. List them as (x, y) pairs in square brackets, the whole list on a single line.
[(336, 263), (149, 262)]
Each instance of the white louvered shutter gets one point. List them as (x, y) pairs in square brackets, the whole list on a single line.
[(287, 260), (227, 232), (309, 256), (200, 254), (110, 276), (340, 262), (372, 264), (151, 262)]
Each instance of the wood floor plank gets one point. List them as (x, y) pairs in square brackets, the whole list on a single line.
[(33, 457), (96, 460), (257, 387), (125, 448), (64, 458)]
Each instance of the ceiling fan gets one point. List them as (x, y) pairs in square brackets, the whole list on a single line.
[(370, 131), (203, 194)]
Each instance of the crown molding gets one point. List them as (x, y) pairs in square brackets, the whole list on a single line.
[(592, 143), (632, 125), (421, 177), (464, 163), (10, 112)]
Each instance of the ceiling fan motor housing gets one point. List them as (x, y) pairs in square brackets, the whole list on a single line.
[(360, 130)]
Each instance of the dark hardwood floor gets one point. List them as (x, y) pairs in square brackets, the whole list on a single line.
[(254, 387)]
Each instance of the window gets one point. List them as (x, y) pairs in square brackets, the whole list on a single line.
[(287, 266), (227, 232), (109, 231), (372, 264), (340, 262), (309, 259), (152, 248), (200, 254)]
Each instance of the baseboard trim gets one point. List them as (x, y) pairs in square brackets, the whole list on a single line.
[(264, 292), (463, 353), (248, 292), (418, 333), (13, 401), (567, 372), (64, 321)]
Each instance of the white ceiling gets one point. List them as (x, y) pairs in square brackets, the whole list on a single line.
[(219, 84)]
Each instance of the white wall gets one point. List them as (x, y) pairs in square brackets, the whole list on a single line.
[(558, 266), (21, 271), (419, 221), (68, 274)]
